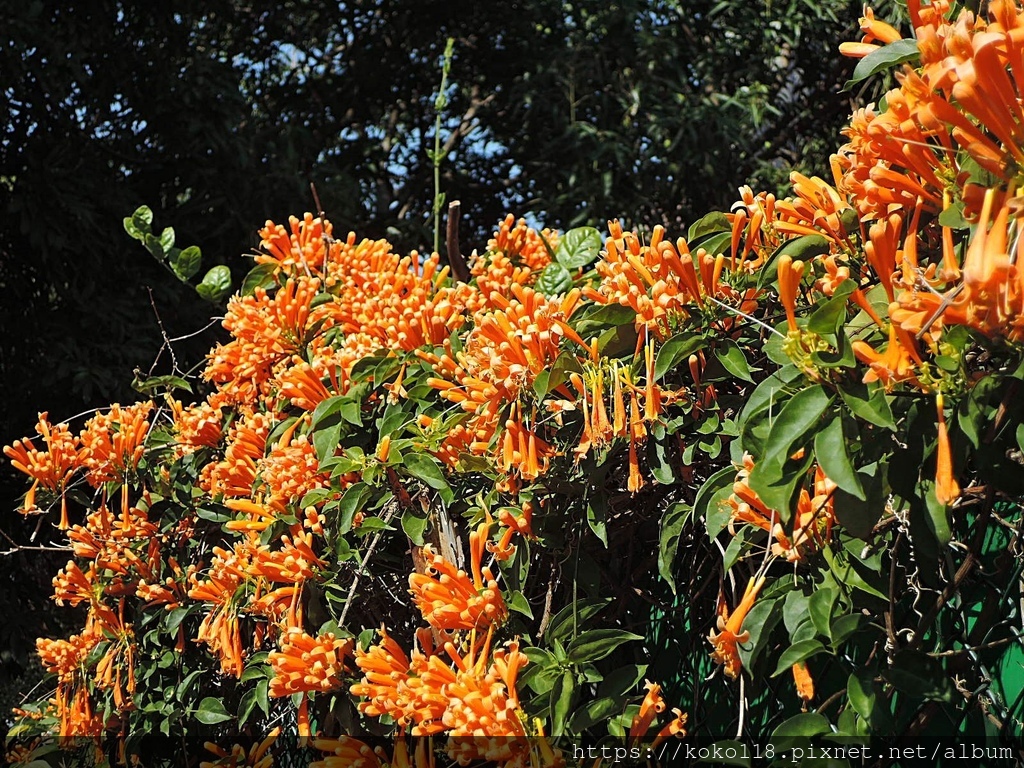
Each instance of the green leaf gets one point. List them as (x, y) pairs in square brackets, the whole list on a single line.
[(795, 653), (616, 684), (517, 602), (858, 515), (801, 248), (675, 350), (869, 403), (778, 485), (709, 223), (828, 318), (578, 247), (186, 265), (919, 675), (143, 218), (710, 506), (554, 280), (352, 501), (618, 342), (594, 712), (260, 276), (798, 416), (370, 525), (253, 672), (794, 610), (263, 695), (427, 469), (211, 711), (672, 523), (600, 318), (565, 364), (597, 516), (152, 243), (840, 357), (733, 360), (844, 626), (595, 644), (819, 607), (561, 701), (769, 391), (562, 624), (861, 693), (804, 725), (846, 572), (658, 460), (327, 426), (713, 244), (131, 228), (214, 516), (760, 622), (175, 617), (167, 382), (884, 58), (540, 384), (246, 706), (831, 449), (414, 526), (167, 239), (216, 285)]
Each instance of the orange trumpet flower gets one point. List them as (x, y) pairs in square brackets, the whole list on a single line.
[(729, 636)]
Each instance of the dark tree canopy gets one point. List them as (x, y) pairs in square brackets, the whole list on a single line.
[(219, 114)]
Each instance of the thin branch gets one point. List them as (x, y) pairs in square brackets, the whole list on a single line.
[(362, 566), (459, 269), (163, 333)]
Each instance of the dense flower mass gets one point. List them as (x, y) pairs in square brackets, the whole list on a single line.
[(446, 517)]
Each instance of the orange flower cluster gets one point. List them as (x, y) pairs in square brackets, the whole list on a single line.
[(661, 281), (291, 471), (516, 255), (812, 526), (198, 426), (448, 599), (347, 752), (990, 298), (302, 249), (625, 421), (112, 443), (306, 663), (234, 475), (472, 698), (392, 302), (492, 378), (256, 757), (875, 32), (219, 629), (965, 96), (522, 524), (730, 634), (266, 331), (66, 658), (51, 468), (123, 555), (243, 581), (652, 706)]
